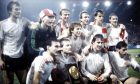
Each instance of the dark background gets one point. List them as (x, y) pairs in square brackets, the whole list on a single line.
[(128, 15), (31, 8)]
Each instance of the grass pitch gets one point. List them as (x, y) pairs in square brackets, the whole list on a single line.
[(134, 52)]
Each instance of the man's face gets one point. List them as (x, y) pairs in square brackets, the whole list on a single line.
[(99, 18), (49, 20), (85, 18), (67, 47), (98, 44), (122, 51), (65, 15), (16, 11), (77, 30), (114, 20), (54, 48)]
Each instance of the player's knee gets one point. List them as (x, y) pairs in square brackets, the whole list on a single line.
[(132, 80)]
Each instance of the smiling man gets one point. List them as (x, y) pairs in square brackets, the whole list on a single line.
[(87, 29), (76, 37), (63, 23), (96, 66), (116, 32), (44, 32)]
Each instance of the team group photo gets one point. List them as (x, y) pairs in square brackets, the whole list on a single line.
[(69, 42)]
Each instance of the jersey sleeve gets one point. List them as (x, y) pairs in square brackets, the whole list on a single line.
[(37, 63)]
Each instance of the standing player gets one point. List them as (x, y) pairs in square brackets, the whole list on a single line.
[(116, 32), (12, 38)]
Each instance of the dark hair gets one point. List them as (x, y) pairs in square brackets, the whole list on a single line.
[(73, 25), (10, 5), (98, 11), (103, 50), (121, 44), (96, 36), (60, 13), (112, 14), (62, 40), (81, 13), (49, 42)]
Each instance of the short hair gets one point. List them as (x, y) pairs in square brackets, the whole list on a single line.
[(112, 14), (49, 42), (98, 11), (97, 36), (81, 13), (100, 36), (10, 5), (60, 13), (62, 41), (73, 25), (121, 44)]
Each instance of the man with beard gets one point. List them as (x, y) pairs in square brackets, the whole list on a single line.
[(120, 62)]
